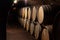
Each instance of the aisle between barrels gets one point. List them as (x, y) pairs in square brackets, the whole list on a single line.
[(17, 34)]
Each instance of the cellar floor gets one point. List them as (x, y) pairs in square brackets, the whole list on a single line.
[(14, 33)]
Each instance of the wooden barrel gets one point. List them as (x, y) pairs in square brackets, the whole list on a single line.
[(27, 25), (21, 21), (44, 14), (25, 13), (24, 24), (47, 13), (49, 28), (33, 14), (45, 35), (21, 12), (37, 30), (40, 15), (29, 14), (31, 28)]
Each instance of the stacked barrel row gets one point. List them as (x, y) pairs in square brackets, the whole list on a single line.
[(38, 20)]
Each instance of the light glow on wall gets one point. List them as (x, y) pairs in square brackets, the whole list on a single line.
[(25, 1)]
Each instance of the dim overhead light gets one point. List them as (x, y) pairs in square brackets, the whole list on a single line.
[(15, 1)]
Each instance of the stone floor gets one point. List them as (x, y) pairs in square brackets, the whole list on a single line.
[(14, 33)]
